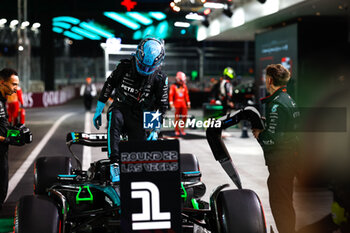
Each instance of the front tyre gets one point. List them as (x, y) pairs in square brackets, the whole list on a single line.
[(240, 211), (36, 214)]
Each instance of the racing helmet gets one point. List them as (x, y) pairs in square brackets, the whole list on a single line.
[(229, 73), (180, 77), (149, 55)]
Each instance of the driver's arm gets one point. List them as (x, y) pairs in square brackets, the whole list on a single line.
[(110, 84), (106, 92), (107, 88)]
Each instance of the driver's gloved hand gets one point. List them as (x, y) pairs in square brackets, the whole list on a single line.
[(15, 141), (97, 120), (153, 136), (115, 172)]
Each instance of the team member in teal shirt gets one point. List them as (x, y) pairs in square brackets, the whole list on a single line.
[(279, 144)]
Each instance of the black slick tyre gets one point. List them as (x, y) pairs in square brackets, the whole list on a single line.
[(36, 214), (240, 211)]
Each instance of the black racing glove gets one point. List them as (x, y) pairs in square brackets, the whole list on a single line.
[(15, 141)]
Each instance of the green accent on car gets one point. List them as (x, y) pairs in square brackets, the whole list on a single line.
[(195, 204), (79, 199), (184, 196), (109, 190), (109, 133), (194, 172), (63, 175)]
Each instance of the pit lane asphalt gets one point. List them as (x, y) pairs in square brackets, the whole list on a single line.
[(40, 121), (245, 152)]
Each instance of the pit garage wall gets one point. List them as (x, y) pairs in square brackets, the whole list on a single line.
[(49, 98), (315, 49)]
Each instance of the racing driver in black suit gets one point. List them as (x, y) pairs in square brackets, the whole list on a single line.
[(139, 85)]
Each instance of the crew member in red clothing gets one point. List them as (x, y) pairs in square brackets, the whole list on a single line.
[(179, 99), (15, 108)]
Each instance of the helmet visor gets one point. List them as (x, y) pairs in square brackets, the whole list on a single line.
[(144, 69)]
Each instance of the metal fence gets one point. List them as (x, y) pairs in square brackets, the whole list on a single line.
[(70, 70)]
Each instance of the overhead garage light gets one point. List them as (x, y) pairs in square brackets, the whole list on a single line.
[(140, 18), (149, 31), (61, 25), (176, 9), (207, 11), (123, 20), (72, 35), (24, 24), (194, 16), (67, 19), (182, 24), (137, 35), (13, 23), (77, 30), (162, 30), (2, 22), (214, 5), (97, 30), (85, 33), (157, 15), (57, 30), (36, 25)]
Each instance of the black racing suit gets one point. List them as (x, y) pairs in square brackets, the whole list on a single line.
[(3, 150), (280, 143), (134, 94)]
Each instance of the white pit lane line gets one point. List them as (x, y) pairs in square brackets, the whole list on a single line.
[(86, 149), (16, 178)]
